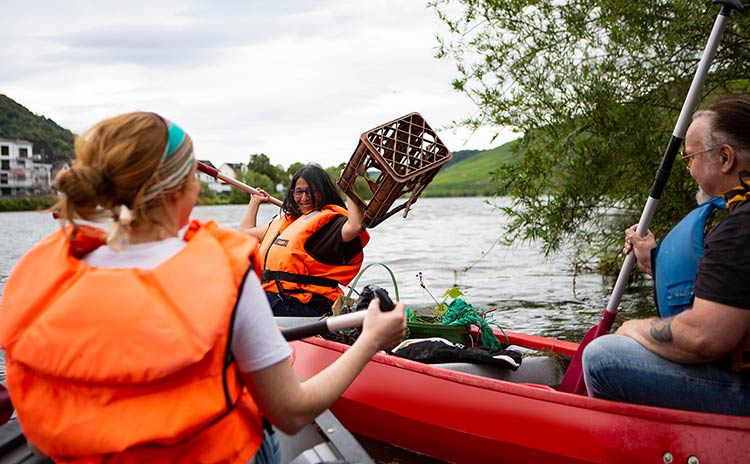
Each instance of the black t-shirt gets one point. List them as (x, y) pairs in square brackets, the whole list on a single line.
[(325, 244), (724, 271)]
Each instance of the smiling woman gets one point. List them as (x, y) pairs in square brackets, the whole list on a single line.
[(315, 246)]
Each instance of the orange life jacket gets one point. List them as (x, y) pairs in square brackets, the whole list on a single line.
[(289, 268), (130, 365)]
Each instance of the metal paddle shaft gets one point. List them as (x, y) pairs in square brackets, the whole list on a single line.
[(573, 380), (213, 172), (335, 323)]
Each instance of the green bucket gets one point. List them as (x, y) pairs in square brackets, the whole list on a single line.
[(426, 328)]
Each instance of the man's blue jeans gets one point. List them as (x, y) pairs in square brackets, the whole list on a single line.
[(619, 368)]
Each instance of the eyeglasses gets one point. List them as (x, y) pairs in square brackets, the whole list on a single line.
[(688, 157), (299, 192)]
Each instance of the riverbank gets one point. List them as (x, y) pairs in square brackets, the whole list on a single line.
[(27, 204), (44, 203)]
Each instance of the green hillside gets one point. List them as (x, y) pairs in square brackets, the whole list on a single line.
[(17, 122), (467, 174), (471, 175)]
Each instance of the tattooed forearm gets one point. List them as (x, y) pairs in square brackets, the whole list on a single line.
[(661, 330)]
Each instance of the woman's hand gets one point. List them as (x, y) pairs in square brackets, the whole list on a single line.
[(641, 246), (261, 197), (384, 329)]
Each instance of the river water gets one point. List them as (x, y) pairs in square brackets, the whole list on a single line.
[(450, 241)]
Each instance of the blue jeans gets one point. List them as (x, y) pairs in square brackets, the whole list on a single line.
[(621, 369), (269, 451)]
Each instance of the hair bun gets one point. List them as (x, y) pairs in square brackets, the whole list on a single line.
[(85, 186)]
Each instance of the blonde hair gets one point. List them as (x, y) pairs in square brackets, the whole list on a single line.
[(120, 171)]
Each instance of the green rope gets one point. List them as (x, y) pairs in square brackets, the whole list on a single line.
[(460, 312)]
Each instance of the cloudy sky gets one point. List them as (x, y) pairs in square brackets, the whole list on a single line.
[(296, 80)]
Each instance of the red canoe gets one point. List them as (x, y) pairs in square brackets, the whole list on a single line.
[(466, 418)]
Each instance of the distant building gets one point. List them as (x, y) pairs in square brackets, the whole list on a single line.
[(23, 173), (214, 184), (233, 170)]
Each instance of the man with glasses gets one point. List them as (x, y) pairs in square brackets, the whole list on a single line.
[(696, 355)]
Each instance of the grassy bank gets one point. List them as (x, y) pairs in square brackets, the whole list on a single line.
[(472, 176), (26, 204)]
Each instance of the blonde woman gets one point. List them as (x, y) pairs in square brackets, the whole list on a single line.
[(141, 345)]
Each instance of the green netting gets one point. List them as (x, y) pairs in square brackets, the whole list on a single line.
[(459, 312)]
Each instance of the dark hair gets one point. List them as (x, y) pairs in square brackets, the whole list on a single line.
[(729, 118), (323, 190)]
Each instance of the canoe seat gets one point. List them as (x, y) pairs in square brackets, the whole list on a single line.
[(541, 370)]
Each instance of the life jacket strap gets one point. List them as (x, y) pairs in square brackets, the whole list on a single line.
[(267, 276)]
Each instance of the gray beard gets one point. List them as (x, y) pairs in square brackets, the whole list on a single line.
[(701, 196)]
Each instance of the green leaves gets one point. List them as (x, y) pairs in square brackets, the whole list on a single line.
[(453, 292), (596, 88)]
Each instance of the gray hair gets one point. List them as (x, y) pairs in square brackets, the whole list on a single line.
[(728, 119)]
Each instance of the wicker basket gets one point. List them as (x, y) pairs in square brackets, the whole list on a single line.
[(396, 158)]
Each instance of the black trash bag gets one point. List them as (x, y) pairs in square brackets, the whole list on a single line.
[(349, 336), (439, 350)]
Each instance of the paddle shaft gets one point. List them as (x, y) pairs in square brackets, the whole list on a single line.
[(335, 323), (573, 380), (213, 172)]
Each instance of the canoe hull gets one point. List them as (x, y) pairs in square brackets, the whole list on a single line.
[(460, 417)]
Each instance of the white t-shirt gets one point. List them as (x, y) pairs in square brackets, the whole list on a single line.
[(256, 340)]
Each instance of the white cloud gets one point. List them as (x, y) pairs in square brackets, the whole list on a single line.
[(296, 80)]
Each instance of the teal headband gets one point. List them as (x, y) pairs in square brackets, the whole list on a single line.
[(174, 164), (175, 136)]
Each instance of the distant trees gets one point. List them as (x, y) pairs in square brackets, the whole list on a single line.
[(595, 87), (17, 122), (261, 173), (261, 164), (293, 168)]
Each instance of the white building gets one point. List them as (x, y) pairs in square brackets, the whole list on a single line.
[(214, 184), (233, 170), (22, 174)]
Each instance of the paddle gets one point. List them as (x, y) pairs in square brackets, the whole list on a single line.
[(335, 323), (573, 380), (213, 172)]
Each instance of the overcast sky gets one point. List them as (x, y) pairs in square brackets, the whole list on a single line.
[(296, 80)]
